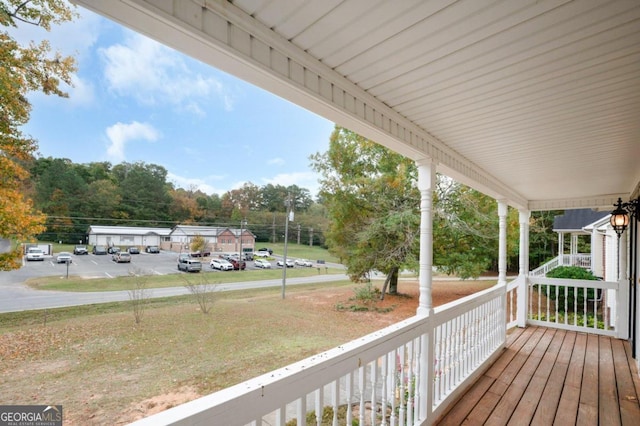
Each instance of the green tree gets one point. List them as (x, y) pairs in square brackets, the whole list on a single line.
[(543, 242), (145, 192), (103, 199), (372, 201), (372, 205), (24, 69), (465, 230)]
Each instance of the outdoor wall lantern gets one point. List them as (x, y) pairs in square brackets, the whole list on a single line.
[(620, 216)]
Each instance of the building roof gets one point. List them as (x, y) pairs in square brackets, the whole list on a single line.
[(206, 231), (191, 230), (127, 230), (576, 220)]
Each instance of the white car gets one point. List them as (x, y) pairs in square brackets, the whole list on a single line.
[(63, 257), (261, 253), (303, 262), (261, 263), (221, 264), (290, 263), (35, 254)]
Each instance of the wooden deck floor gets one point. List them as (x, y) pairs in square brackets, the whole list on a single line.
[(554, 377)]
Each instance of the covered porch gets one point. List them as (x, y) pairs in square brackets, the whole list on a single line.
[(534, 103), (466, 361)]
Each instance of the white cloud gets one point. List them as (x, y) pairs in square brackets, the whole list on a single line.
[(276, 161), (308, 180), (197, 183), (82, 92), (120, 134), (154, 74)]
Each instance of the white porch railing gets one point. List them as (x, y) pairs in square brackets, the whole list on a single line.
[(405, 374), (579, 305), (581, 260), (408, 373)]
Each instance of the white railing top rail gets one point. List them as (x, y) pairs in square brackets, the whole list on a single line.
[(542, 270), (580, 259), (612, 285), (458, 307)]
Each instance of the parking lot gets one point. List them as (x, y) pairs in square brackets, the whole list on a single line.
[(102, 266)]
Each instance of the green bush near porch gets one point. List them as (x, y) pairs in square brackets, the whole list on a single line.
[(574, 297)]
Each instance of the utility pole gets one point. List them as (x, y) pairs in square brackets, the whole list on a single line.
[(298, 234), (288, 205), (310, 237)]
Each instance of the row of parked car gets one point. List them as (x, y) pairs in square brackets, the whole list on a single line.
[(103, 250)]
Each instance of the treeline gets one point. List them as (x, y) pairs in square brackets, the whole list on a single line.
[(76, 196)]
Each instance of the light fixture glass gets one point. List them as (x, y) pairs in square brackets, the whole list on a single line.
[(619, 218)]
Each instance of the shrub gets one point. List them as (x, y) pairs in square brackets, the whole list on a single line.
[(573, 296), (571, 272)]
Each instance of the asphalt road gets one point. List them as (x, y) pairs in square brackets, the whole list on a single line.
[(15, 296)]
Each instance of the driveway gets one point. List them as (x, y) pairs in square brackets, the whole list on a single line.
[(16, 296)]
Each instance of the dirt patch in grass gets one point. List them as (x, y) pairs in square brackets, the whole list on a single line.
[(104, 369)]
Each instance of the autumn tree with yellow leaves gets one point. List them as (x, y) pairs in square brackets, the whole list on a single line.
[(24, 69)]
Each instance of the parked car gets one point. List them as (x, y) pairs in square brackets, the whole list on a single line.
[(133, 250), (34, 253), (248, 256), (204, 253), (237, 265), (188, 264), (80, 249), (152, 249), (290, 263), (99, 250), (121, 257), (261, 263), (221, 264), (63, 257), (268, 250), (113, 250), (303, 262), (261, 253)]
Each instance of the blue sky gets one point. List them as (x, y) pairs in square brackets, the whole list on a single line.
[(136, 100)]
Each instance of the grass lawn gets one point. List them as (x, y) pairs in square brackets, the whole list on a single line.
[(105, 369)]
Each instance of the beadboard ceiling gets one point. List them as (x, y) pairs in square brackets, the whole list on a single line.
[(535, 102)]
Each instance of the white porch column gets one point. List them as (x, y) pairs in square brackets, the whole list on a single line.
[(622, 308), (426, 180), (596, 252), (523, 293), (502, 242), (560, 248)]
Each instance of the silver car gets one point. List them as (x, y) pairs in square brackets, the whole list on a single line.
[(63, 257), (35, 254), (261, 263)]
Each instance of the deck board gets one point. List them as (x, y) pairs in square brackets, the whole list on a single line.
[(547, 376)]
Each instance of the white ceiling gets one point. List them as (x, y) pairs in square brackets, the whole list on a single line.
[(537, 102)]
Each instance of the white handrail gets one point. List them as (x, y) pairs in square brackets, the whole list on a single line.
[(581, 260)]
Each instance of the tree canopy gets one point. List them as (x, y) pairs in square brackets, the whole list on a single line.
[(24, 69), (373, 204), (75, 196)]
